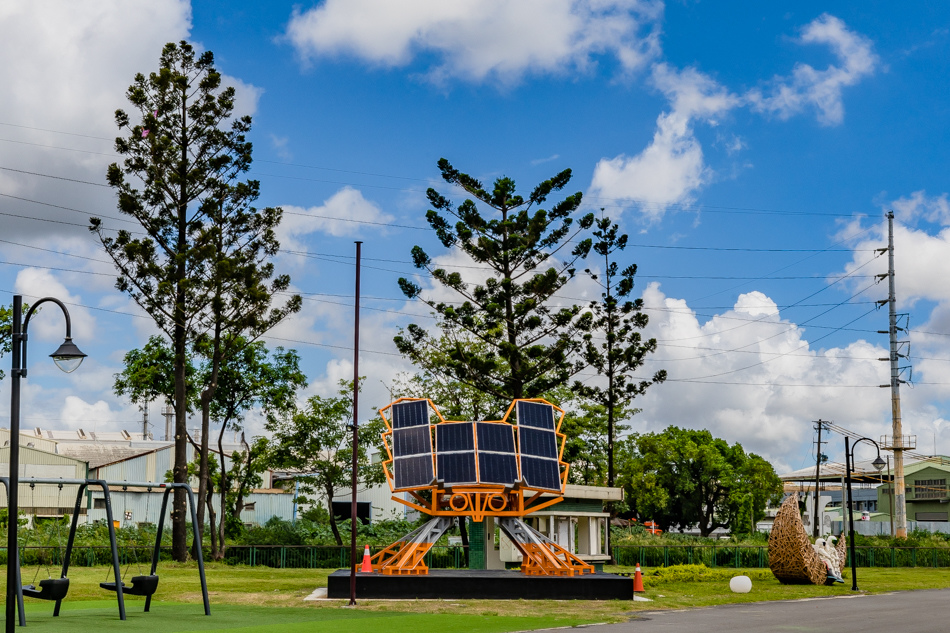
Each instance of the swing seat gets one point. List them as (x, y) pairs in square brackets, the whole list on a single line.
[(50, 589), (141, 586)]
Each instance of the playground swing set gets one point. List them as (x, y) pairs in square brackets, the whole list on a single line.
[(56, 589)]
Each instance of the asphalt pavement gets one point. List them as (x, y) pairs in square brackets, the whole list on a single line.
[(898, 612)]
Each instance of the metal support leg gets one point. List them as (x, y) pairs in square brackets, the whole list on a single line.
[(201, 562), (116, 567), (70, 540)]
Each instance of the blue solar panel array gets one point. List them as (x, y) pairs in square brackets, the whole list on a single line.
[(497, 462), (537, 441), (455, 453), (469, 453), (412, 444)]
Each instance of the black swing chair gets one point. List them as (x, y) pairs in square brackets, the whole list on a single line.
[(50, 588), (142, 585)]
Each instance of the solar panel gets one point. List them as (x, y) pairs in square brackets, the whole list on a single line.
[(535, 414), (413, 472), (493, 436), (537, 446), (541, 473), (456, 468), (497, 461), (411, 413), (455, 453), (497, 468), (412, 444), (454, 436), (537, 442), (415, 440)]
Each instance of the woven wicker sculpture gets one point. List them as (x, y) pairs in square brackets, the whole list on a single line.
[(791, 556)]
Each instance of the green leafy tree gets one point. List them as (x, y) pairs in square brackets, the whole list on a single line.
[(149, 374), (685, 478), (316, 443), (251, 378), (198, 266), (456, 400), (528, 345), (6, 322)]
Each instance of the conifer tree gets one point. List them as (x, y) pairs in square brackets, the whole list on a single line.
[(528, 338), (197, 262)]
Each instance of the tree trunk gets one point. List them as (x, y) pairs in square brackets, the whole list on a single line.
[(223, 492), (206, 396), (336, 531), (212, 516), (180, 470)]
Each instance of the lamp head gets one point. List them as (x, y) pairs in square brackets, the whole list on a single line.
[(878, 463), (68, 357)]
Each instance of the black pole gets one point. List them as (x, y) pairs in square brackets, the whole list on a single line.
[(73, 525), (116, 567), (356, 391), (13, 504), (847, 478)]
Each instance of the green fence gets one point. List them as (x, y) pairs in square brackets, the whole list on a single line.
[(456, 557), (758, 556), (281, 556)]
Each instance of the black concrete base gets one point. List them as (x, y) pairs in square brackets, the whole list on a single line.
[(464, 584)]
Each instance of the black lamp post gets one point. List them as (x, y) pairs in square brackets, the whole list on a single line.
[(878, 463), (68, 358)]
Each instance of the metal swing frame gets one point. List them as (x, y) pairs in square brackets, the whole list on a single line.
[(116, 567)]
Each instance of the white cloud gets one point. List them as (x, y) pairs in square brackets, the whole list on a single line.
[(751, 376), (671, 168), (82, 57), (344, 213), (920, 205), (479, 39), (820, 89), (47, 324)]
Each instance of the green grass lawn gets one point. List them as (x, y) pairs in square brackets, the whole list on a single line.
[(266, 599)]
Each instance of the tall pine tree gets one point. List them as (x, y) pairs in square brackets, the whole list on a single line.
[(184, 153), (529, 339)]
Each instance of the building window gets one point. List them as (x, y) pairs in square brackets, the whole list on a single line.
[(930, 488), (250, 506), (99, 504)]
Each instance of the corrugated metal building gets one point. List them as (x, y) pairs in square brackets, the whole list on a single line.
[(114, 457), (44, 500)]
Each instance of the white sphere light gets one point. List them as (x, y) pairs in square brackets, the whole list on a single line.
[(740, 584)]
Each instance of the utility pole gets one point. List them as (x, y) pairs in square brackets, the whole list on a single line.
[(816, 522), (898, 443)]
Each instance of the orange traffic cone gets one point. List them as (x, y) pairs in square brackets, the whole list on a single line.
[(367, 566), (637, 580)]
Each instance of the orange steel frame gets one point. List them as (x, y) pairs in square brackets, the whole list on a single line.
[(477, 501)]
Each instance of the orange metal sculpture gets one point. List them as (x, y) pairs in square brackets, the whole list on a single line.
[(479, 492)]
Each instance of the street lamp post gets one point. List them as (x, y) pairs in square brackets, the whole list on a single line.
[(878, 463), (68, 358)]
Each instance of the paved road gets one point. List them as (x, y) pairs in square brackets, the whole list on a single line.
[(899, 612)]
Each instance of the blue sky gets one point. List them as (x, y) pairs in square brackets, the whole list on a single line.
[(749, 150)]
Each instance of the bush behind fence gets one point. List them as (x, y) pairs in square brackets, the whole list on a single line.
[(443, 557)]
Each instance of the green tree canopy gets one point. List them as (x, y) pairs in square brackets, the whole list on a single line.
[(685, 478), (316, 442), (6, 324), (529, 341)]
